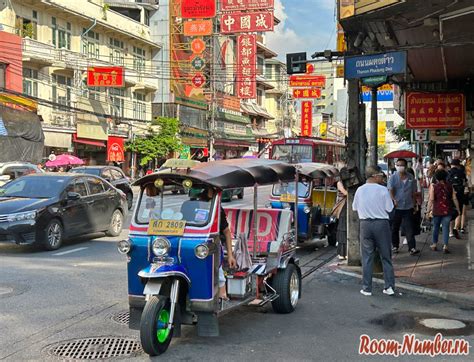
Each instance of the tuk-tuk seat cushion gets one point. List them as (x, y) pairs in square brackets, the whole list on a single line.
[(272, 225)]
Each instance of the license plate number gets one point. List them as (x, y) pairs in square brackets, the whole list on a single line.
[(166, 227)]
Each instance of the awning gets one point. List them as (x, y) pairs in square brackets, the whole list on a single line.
[(56, 139), (92, 130), (86, 141), (256, 110), (233, 144)]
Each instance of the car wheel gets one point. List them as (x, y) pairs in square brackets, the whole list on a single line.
[(53, 235), (130, 200), (287, 284), (116, 223)]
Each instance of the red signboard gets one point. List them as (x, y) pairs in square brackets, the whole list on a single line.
[(115, 149), (307, 93), (198, 9), (197, 27), (233, 5), (198, 46), (246, 66), (435, 110), (198, 80), (247, 22), (105, 77), (307, 81), (306, 118)]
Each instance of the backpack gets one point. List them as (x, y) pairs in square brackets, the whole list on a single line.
[(456, 179)]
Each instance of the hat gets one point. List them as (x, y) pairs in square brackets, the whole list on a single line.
[(456, 162), (372, 170)]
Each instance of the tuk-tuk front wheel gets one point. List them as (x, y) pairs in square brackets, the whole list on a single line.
[(155, 336), (287, 284)]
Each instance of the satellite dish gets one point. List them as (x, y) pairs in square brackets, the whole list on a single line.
[(52, 157)]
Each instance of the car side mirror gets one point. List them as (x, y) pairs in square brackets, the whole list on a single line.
[(72, 196)]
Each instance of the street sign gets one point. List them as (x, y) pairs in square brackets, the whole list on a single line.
[(198, 63), (198, 46), (198, 80), (385, 64), (374, 81), (307, 93), (296, 68), (307, 81)]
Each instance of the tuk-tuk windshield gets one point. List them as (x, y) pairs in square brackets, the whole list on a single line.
[(303, 189), (194, 212)]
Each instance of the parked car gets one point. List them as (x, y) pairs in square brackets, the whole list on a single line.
[(48, 208), (12, 170), (112, 174)]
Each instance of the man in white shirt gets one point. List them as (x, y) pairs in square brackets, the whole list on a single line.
[(373, 203)]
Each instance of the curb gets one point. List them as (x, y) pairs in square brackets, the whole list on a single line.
[(457, 298)]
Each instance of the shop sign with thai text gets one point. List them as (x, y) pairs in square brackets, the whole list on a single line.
[(435, 110), (307, 81), (247, 22), (233, 5), (307, 93), (105, 77), (246, 66), (198, 9), (306, 118)]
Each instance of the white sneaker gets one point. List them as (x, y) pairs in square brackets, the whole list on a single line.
[(451, 235), (389, 291), (367, 294), (405, 241)]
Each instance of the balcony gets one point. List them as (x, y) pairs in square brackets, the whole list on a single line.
[(38, 53)]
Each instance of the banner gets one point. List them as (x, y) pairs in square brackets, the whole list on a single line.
[(307, 93), (197, 27), (247, 22), (246, 66), (435, 110), (307, 81), (233, 5), (198, 9), (306, 118), (115, 151), (105, 77)]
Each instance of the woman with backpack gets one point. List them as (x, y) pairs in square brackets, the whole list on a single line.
[(440, 207)]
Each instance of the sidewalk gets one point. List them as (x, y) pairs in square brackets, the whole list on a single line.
[(449, 276)]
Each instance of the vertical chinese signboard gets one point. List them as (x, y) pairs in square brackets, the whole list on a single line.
[(306, 118), (105, 77), (246, 66)]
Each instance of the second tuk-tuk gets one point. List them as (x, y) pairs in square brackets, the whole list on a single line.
[(316, 199), (174, 251)]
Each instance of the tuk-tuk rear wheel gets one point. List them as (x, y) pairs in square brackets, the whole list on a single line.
[(155, 336), (287, 283)]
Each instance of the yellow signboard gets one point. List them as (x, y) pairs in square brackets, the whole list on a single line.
[(341, 42), (166, 227), (323, 129), (18, 102), (381, 131), (346, 8), (339, 71)]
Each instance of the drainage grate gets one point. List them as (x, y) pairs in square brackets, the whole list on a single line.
[(121, 317), (97, 348)]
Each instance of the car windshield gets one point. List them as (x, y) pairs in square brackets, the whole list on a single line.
[(34, 187), (303, 189), (89, 171), (195, 212)]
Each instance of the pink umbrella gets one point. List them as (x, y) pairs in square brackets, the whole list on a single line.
[(64, 160)]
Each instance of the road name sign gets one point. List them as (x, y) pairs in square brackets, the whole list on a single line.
[(384, 64)]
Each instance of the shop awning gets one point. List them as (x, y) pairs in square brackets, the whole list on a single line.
[(56, 139), (234, 144), (86, 141)]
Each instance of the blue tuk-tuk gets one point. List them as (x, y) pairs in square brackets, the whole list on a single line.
[(317, 196), (174, 251)]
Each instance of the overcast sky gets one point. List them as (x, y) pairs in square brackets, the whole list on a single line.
[(306, 26)]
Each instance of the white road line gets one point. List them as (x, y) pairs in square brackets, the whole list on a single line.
[(70, 251)]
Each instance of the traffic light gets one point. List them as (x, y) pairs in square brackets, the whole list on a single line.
[(298, 68)]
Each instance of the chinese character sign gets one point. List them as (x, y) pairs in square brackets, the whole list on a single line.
[(246, 66), (197, 27), (233, 5), (435, 110), (105, 77), (307, 93), (306, 118), (115, 149), (198, 9), (247, 22)]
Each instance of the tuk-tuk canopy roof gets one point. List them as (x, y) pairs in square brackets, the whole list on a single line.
[(317, 170), (228, 174)]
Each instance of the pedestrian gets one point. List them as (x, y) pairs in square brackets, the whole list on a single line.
[(458, 180), (373, 204), (466, 201), (340, 212), (402, 187), (440, 208)]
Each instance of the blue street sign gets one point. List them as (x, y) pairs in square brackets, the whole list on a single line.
[(372, 65), (382, 96)]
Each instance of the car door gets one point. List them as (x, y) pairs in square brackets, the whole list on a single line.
[(100, 204), (75, 213), (119, 181)]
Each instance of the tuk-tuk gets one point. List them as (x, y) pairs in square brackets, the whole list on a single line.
[(317, 196), (174, 251)]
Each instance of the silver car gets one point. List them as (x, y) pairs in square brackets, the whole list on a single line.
[(12, 170)]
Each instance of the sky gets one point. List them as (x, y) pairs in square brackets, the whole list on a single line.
[(306, 26)]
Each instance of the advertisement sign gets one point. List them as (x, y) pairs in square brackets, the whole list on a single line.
[(247, 22), (435, 110), (381, 131), (307, 81), (105, 77), (384, 93), (323, 130), (198, 63), (198, 80), (377, 64), (198, 46), (197, 27), (420, 135), (233, 5), (246, 66), (306, 118), (198, 9), (115, 149), (307, 93)]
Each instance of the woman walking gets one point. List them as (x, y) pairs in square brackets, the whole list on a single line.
[(341, 214), (440, 206)]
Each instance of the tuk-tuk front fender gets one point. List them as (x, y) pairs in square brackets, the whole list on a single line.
[(164, 271)]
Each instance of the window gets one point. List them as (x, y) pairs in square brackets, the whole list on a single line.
[(260, 65), (138, 59), (90, 45), (269, 71), (26, 28), (389, 124), (259, 97), (95, 186), (93, 93), (117, 101), (61, 89), (80, 187), (30, 82), (117, 175), (61, 37), (139, 106), (116, 51), (3, 66), (107, 175), (35, 15)]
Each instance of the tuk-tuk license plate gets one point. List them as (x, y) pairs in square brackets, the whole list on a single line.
[(287, 198), (166, 227)]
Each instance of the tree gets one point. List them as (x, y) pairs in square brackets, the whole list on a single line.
[(401, 133), (157, 145)]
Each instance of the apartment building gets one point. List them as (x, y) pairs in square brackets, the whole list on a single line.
[(61, 40)]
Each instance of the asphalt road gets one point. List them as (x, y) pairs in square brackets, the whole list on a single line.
[(51, 298)]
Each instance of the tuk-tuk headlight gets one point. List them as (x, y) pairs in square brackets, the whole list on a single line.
[(201, 251), (306, 209), (286, 205), (161, 247), (124, 246)]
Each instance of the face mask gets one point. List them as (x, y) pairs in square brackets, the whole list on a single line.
[(400, 168)]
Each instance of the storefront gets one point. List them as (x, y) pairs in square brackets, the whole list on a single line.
[(195, 143), (90, 142), (57, 141)]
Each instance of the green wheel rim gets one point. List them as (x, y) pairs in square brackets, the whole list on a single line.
[(163, 319)]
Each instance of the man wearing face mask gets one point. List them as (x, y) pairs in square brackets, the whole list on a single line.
[(402, 187)]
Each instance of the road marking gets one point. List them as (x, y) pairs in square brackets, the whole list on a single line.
[(70, 251)]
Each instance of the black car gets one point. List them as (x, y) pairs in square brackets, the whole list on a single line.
[(47, 208), (112, 174)]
